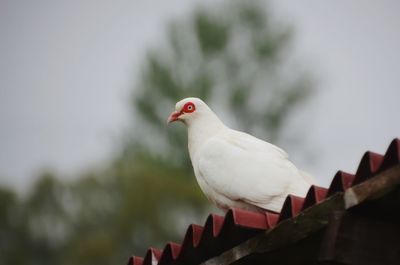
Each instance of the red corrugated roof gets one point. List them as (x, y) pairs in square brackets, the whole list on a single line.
[(221, 233)]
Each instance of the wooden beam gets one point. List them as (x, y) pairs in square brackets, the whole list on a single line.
[(373, 188)]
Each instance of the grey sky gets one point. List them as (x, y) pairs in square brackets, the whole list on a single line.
[(66, 69), (353, 46)]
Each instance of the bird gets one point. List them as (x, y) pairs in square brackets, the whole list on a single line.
[(235, 169)]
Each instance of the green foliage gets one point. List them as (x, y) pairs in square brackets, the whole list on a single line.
[(212, 33), (101, 218), (234, 57)]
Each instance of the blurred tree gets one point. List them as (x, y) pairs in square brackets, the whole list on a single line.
[(100, 218), (234, 57), (129, 206)]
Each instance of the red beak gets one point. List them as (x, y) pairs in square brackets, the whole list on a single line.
[(174, 116)]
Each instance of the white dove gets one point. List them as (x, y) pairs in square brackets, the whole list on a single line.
[(233, 168)]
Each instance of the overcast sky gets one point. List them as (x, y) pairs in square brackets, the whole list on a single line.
[(67, 67)]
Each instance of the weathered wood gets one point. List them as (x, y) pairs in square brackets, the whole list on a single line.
[(301, 252), (329, 241), (358, 239)]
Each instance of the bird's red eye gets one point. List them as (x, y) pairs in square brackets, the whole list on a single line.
[(189, 107)]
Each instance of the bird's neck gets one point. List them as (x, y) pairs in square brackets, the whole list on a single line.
[(201, 130)]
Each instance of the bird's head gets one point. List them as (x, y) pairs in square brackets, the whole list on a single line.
[(187, 110)]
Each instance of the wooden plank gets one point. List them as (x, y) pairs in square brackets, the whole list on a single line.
[(326, 250), (358, 239)]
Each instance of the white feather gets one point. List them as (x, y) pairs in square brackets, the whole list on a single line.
[(235, 169)]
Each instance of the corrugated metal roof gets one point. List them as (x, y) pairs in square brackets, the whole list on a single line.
[(221, 233)]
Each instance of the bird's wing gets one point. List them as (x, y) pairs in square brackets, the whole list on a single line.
[(240, 168), (253, 144)]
